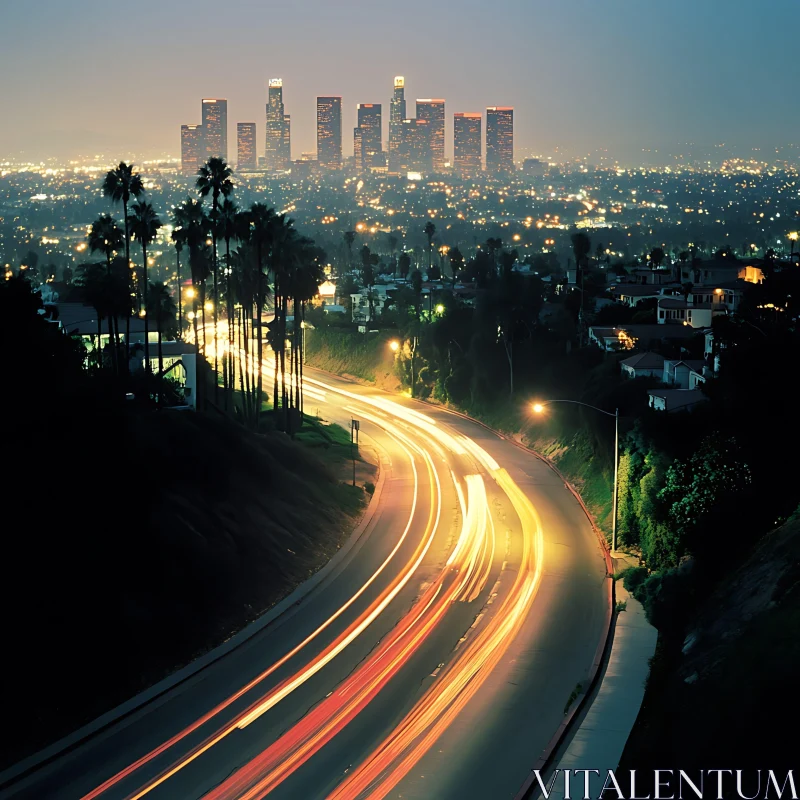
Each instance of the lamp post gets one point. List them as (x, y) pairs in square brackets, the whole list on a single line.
[(539, 408), (395, 347)]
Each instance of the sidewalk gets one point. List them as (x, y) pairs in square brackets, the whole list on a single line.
[(600, 738)]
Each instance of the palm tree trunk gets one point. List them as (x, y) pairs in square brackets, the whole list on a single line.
[(128, 282), (180, 295), (146, 315), (99, 340), (196, 346), (282, 348), (260, 365), (302, 358), (275, 315), (216, 316)]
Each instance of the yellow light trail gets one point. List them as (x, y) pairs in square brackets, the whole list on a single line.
[(391, 761)]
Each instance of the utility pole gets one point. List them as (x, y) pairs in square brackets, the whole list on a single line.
[(413, 352), (355, 426)]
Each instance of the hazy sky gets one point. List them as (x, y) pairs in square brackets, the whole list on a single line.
[(85, 76)]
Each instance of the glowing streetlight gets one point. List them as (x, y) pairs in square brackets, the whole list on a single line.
[(538, 408), (209, 306), (190, 293), (394, 345)]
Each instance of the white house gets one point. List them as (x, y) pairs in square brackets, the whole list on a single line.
[(683, 374)]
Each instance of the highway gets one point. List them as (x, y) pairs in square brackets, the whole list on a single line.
[(434, 661)]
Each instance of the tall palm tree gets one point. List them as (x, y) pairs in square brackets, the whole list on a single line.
[(430, 230), (263, 225), (179, 240), (121, 184), (144, 224), (105, 237), (214, 178), (92, 279), (161, 307)]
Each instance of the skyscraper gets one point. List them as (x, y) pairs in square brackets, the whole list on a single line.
[(215, 128), (191, 148), (397, 113), (277, 152), (432, 111), (367, 139), (499, 139), (414, 152), (467, 149), (329, 132), (246, 145)]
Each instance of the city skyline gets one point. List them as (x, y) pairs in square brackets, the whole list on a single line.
[(623, 77)]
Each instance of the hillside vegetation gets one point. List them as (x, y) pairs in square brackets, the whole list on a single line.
[(719, 695), (138, 539)]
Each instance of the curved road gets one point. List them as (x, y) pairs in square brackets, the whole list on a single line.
[(435, 661)]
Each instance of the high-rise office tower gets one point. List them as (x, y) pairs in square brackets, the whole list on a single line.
[(246, 145), (277, 151), (397, 113), (329, 132), (215, 128), (499, 139), (414, 152), (467, 150), (432, 111), (367, 140), (191, 148)]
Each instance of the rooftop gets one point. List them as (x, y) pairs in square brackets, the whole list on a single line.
[(644, 361)]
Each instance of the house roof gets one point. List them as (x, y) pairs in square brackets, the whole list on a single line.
[(644, 361), (694, 364), (677, 398), (638, 289)]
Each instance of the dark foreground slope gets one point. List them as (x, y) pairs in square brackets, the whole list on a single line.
[(135, 540), (725, 695)]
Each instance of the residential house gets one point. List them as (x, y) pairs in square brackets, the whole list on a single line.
[(683, 374), (643, 365), (674, 399), (628, 337)]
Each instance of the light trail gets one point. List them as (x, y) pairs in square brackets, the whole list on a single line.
[(424, 724), (288, 753), (357, 627), (171, 742)]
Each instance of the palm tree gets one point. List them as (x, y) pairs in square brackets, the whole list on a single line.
[(230, 224), (179, 240), (657, 256), (430, 230), (214, 178), (161, 307), (92, 279), (144, 224), (262, 229), (121, 184), (105, 237)]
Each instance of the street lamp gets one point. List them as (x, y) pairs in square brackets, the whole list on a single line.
[(395, 347), (793, 238), (539, 409)]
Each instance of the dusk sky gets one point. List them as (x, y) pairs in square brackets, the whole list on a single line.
[(91, 76)]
